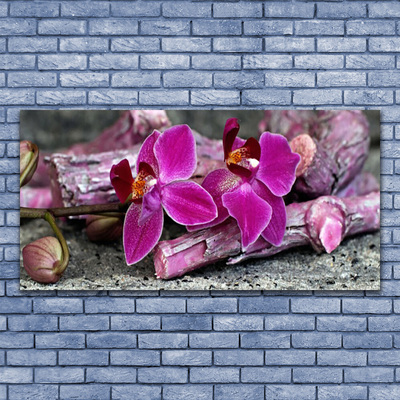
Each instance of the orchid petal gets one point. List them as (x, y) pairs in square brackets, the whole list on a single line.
[(139, 240), (230, 132), (151, 204), (175, 151), (187, 203), (121, 179), (250, 211), (238, 143), (275, 230), (217, 183), (277, 168), (146, 153)]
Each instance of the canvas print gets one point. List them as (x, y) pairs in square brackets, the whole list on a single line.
[(200, 200)]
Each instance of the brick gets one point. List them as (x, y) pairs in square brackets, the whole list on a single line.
[(318, 27), (3, 9), (263, 305), (12, 217), (62, 97), (289, 357), (384, 10), (288, 10), (179, 392), (288, 392), (289, 45), (163, 340), (260, 340), (13, 151), (19, 26), (136, 79), (344, 11), (83, 79), (341, 45), (212, 305), (113, 26), (187, 323), (383, 79), (111, 340), (135, 357), (109, 96), (384, 44), (237, 45), (15, 305), (214, 340), (163, 375), (109, 305), (158, 305), (239, 10), (345, 392), (83, 357), (129, 9), (136, 392), (186, 10), (341, 323), (186, 79), (273, 97), (194, 45), (216, 27), (319, 340), (135, 44), (88, 45), (16, 375), (366, 28), (242, 323), (39, 9), (368, 97), (238, 357), (342, 358), (98, 392), (61, 27), (84, 323), (60, 375), (387, 323), (176, 97), (371, 61), (319, 61), (289, 79), (317, 96), (342, 78), (34, 79), (62, 61), (289, 323), (269, 27), (164, 61), (317, 375), (367, 341), (111, 375), (16, 340), (85, 9), (31, 391), (165, 27), (384, 357), (31, 357), (235, 392), (186, 357), (368, 375), (325, 306), (135, 322), (216, 62), (220, 97), (366, 306), (32, 323), (17, 61), (113, 61), (264, 375), (32, 45)]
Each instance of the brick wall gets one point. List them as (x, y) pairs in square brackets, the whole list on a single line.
[(199, 345)]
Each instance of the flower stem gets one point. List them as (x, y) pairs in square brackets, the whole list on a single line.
[(30, 165)]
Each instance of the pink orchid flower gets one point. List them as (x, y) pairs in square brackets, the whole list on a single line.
[(251, 189), (165, 162)]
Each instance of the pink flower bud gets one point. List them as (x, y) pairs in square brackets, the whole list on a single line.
[(29, 156), (41, 259), (103, 229)]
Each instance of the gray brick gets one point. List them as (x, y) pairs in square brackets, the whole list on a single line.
[(158, 305), (220, 97), (384, 10), (384, 357), (317, 27), (176, 97), (367, 374), (288, 10), (83, 79), (17, 61), (187, 323), (135, 357), (341, 45), (342, 78), (179, 392), (239, 10), (135, 322), (216, 62), (212, 305), (136, 79), (365, 27), (266, 375), (163, 340), (83, 357), (111, 340), (194, 45), (237, 45), (32, 45), (31, 357), (321, 305), (317, 375), (382, 79), (216, 27), (263, 305), (88, 45), (61, 27), (19, 26), (57, 306), (136, 392), (317, 340), (135, 44), (113, 26), (111, 375), (341, 323), (63, 97), (165, 27), (235, 392), (289, 79), (289, 392), (85, 9), (109, 96), (129, 9), (287, 44), (241, 323), (186, 357), (238, 357), (387, 323), (60, 375), (37, 9), (317, 96), (342, 358), (289, 357), (61, 340), (346, 10), (17, 305), (187, 79), (384, 44), (12, 217), (84, 322), (32, 323), (269, 27), (163, 375), (113, 61), (98, 392), (368, 97), (289, 323), (109, 305), (34, 79), (13, 151), (31, 391), (214, 340), (344, 392), (319, 61), (273, 97), (370, 61), (16, 340), (186, 10), (62, 61), (263, 340), (164, 61), (366, 306), (367, 341), (16, 375)]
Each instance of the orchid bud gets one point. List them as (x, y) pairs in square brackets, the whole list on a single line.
[(41, 259), (29, 156), (100, 228)]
